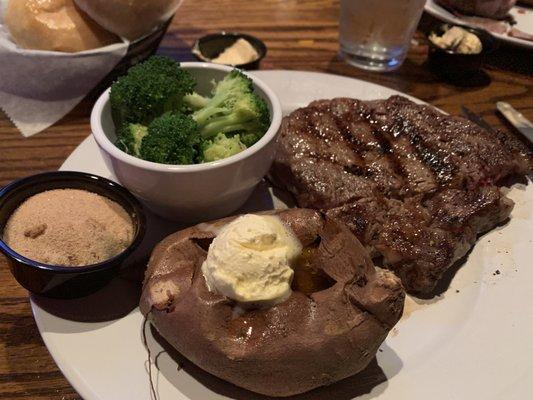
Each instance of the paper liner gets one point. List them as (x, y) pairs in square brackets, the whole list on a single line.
[(38, 88)]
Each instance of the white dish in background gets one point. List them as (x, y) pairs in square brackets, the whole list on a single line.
[(521, 13), (214, 189), (473, 342)]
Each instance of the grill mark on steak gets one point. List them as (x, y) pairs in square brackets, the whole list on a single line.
[(475, 155), (323, 169), (351, 119), (430, 155), (419, 178), (327, 169), (414, 185)]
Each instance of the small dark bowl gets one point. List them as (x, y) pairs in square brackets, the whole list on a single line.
[(456, 65), (210, 46), (60, 281)]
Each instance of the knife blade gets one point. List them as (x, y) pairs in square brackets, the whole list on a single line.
[(476, 119), (516, 119)]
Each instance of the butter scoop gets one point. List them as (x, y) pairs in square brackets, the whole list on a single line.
[(458, 40), (227, 48), (249, 261), (240, 52)]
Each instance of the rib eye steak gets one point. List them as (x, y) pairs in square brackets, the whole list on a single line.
[(415, 185)]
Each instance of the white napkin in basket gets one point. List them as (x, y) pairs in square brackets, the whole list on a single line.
[(38, 88)]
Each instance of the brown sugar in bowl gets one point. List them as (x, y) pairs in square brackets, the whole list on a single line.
[(69, 227), (67, 281)]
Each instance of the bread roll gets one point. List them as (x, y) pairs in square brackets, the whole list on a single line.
[(130, 19), (56, 25)]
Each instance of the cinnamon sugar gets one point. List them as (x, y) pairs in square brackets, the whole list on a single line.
[(69, 227)]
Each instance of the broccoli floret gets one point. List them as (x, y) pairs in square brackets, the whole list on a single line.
[(249, 117), (225, 93), (172, 138), (194, 101), (234, 108), (149, 90), (130, 137), (222, 147)]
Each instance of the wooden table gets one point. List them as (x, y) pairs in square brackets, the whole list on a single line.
[(300, 35)]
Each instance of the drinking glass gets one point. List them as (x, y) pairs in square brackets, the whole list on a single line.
[(376, 34)]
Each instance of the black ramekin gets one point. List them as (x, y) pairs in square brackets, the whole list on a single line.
[(456, 65), (60, 281), (210, 46)]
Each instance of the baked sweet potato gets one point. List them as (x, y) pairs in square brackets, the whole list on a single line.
[(330, 328)]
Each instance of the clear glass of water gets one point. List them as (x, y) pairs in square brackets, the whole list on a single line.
[(376, 34)]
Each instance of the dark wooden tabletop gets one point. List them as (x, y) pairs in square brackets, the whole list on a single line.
[(300, 35)]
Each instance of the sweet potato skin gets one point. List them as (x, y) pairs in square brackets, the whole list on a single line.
[(293, 347)]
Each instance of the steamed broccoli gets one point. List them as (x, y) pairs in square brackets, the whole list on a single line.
[(130, 137), (149, 90), (234, 108), (222, 147), (149, 104), (171, 139)]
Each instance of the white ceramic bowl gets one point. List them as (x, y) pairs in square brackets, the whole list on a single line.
[(191, 193)]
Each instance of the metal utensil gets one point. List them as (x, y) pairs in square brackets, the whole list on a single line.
[(476, 119), (517, 119)]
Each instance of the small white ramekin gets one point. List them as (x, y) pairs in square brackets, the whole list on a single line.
[(191, 193)]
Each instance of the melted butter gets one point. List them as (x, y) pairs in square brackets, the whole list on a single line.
[(308, 278)]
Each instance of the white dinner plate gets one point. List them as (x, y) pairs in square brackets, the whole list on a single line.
[(522, 14), (472, 342)]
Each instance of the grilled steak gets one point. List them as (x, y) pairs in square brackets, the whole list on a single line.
[(416, 186)]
